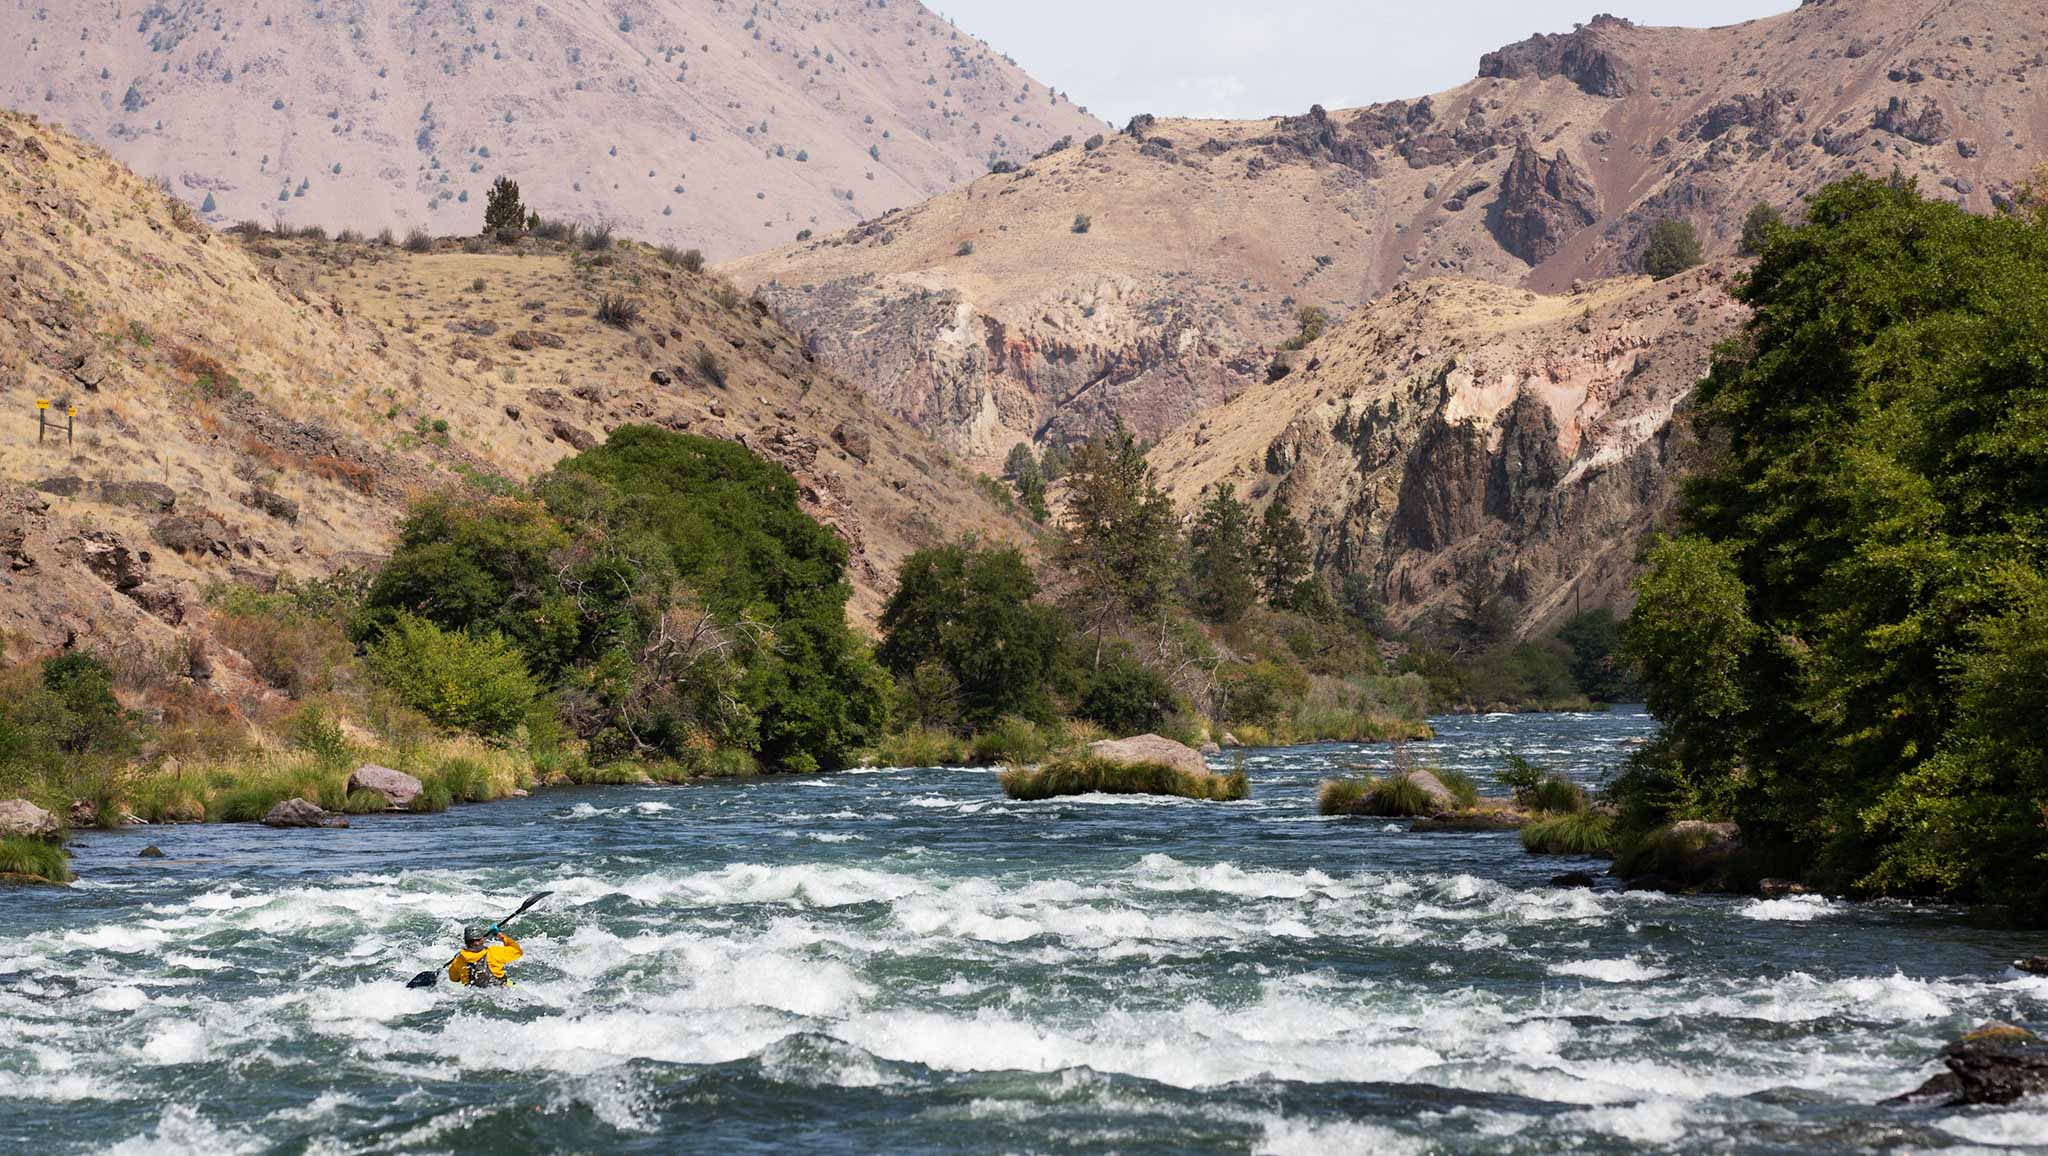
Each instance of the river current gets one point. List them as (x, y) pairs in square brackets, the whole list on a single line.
[(904, 961)]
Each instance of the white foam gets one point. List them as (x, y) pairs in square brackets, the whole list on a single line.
[(2024, 1126), (1283, 1137), (1792, 908), (1609, 970), (180, 1131), (176, 1043)]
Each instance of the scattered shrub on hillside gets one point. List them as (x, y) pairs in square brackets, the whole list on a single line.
[(553, 229), (1088, 775), (294, 649), (419, 241), (1672, 248), (1763, 223), (966, 249), (598, 237), (1083, 222), (706, 364), (503, 214), (725, 296), (475, 684), (618, 309)]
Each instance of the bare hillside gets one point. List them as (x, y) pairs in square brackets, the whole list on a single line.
[(253, 407), (724, 125), (989, 315)]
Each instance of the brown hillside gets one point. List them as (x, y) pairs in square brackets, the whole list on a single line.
[(724, 125), (1205, 236), (255, 407), (1454, 424)]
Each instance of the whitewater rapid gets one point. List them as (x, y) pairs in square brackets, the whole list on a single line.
[(905, 961)]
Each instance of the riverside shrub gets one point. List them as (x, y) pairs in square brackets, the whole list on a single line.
[(462, 682)]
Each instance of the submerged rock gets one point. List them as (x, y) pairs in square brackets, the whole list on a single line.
[(2038, 965), (1997, 1063), (1151, 749), (300, 813), (399, 789), (21, 819), (150, 852), (1573, 879)]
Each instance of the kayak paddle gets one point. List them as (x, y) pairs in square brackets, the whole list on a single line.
[(430, 978)]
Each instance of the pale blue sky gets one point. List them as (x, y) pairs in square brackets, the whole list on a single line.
[(1232, 58)]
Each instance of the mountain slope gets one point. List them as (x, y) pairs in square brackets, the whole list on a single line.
[(721, 125), (249, 408), (1203, 237)]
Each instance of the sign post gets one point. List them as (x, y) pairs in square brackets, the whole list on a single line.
[(42, 418), (70, 423)]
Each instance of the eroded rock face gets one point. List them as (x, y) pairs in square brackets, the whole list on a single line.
[(1578, 56), (1923, 123), (1317, 137), (1543, 202), (1150, 749)]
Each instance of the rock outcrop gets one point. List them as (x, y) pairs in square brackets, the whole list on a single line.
[(1542, 204), (1150, 749), (300, 813), (1685, 856), (400, 790), (1997, 1063), (1580, 57), (21, 819)]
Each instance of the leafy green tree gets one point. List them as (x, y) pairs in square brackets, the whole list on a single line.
[(974, 612), (1126, 697), (1054, 462), (1673, 247), (463, 682), (1848, 630), (1019, 461), (1285, 563), (1225, 560), (503, 214), (1763, 223), (1598, 665)]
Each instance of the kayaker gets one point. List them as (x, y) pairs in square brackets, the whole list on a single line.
[(481, 963)]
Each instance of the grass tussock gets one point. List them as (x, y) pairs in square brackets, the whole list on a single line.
[(618, 310), (919, 746), (35, 859), (1394, 796), (1081, 775), (1572, 833)]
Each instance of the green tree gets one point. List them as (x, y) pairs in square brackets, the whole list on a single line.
[(974, 612), (1672, 248), (503, 214), (1763, 223), (1285, 563), (1054, 462), (1224, 560), (1019, 461), (469, 683), (1598, 664), (1121, 544), (1849, 628)]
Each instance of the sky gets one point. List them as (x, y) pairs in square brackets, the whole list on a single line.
[(1255, 58)]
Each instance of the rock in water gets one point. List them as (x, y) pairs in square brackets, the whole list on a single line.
[(2035, 966), (1440, 796), (399, 789), (150, 852), (1573, 879), (300, 813), (1997, 1063), (1150, 749), (21, 819)]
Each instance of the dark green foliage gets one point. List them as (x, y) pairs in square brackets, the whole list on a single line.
[(1086, 775), (973, 611), (1846, 644), (667, 587), (35, 859), (1598, 664), (84, 717), (1126, 697), (1673, 247), (1122, 545), (1285, 563), (1225, 562), (1760, 227), (1310, 321), (503, 214)]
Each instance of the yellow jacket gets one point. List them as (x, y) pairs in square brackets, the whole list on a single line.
[(497, 956)]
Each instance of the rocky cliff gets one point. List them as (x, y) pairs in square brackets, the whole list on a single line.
[(1454, 425)]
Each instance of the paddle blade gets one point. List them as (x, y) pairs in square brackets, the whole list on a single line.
[(424, 979), (529, 903)]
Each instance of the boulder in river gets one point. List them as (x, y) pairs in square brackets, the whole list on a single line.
[(399, 789), (1997, 1063), (21, 819), (1687, 856), (1572, 879), (2038, 965), (1150, 749), (300, 813), (150, 852)]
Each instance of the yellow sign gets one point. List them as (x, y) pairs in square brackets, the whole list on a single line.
[(70, 411), (42, 403)]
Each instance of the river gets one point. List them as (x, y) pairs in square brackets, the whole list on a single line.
[(904, 961)]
